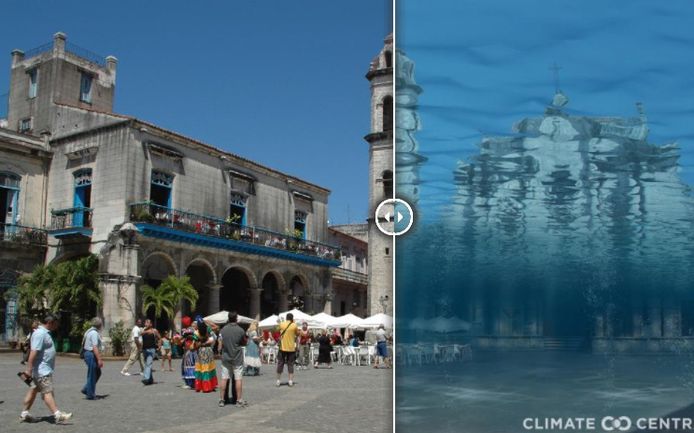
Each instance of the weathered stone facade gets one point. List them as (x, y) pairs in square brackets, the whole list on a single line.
[(152, 203), (24, 165), (350, 280), (380, 141)]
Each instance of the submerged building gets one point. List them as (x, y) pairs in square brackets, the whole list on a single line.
[(76, 178), (574, 232)]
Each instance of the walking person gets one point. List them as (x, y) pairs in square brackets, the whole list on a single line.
[(324, 349), (304, 346), (381, 347), (288, 332), (92, 347), (252, 358), (205, 366), (135, 349), (165, 350), (26, 345), (40, 366), (233, 338), (150, 338)]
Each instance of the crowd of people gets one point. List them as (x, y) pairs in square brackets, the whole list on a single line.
[(243, 352)]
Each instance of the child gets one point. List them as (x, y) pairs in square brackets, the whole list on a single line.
[(165, 348)]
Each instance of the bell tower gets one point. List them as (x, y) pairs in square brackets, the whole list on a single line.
[(380, 139)]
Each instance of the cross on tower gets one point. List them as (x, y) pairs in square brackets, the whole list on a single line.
[(555, 69)]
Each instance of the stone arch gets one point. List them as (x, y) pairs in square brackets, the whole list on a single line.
[(204, 262), (203, 278), (155, 268), (272, 299), (164, 256), (237, 291), (299, 287)]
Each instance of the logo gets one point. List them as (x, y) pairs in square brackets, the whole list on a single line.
[(610, 423)]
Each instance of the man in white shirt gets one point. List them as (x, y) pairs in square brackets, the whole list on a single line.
[(135, 349)]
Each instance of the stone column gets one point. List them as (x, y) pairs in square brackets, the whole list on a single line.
[(599, 324), (328, 304), (213, 297), (671, 313), (655, 312), (283, 302), (255, 302)]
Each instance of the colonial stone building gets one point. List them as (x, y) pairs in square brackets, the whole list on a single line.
[(24, 162), (350, 279), (380, 141), (152, 202)]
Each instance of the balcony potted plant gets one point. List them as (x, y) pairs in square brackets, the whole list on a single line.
[(141, 213)]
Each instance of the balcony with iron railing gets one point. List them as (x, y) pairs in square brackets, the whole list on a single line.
[(22, 235), (175, 224), (74, 221)]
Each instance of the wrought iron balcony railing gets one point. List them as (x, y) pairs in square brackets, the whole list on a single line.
[(74, 217), (146, 212), (22, 234)]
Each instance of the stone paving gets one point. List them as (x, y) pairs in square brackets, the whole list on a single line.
[(344, 399)]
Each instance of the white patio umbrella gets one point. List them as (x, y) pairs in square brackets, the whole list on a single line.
[(325, 320), (347, 321), (299, 315), (223, 316), (268, 322), (448, 324), (419, 324), (377, 320)]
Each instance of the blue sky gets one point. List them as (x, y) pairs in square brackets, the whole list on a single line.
[(281, 83), (484, 64)]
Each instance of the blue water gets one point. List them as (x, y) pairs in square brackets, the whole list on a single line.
[(573, 225)]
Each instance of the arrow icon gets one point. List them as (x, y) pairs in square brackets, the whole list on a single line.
[(400, 217), (387, 216)]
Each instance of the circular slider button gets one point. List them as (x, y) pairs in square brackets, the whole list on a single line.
[(394, 217)]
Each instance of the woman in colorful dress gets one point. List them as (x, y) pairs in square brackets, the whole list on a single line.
[(189, 354), (251, 360), (205, 367)]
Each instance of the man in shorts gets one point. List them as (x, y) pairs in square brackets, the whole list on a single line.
[(382, 347), (287, 348), (39, 367), (232, 338)]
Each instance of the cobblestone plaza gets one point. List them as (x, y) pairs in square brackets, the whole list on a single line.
[(349, 398)]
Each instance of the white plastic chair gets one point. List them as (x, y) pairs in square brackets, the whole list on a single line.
[(272, 355), (348, 355)]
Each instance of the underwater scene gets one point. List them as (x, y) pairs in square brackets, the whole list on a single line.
[(547, 148)]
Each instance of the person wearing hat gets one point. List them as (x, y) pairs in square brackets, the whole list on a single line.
[(40, 367)]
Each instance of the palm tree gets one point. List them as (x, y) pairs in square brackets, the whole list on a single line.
[(180, 290), (158, 298), (169, 295)]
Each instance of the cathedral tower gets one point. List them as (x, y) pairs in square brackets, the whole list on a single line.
[(380, 139)]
